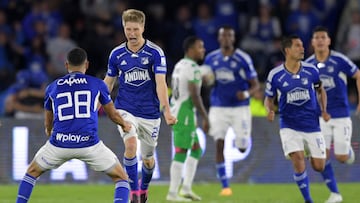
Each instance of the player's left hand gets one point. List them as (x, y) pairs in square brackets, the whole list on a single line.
[(325, 115)]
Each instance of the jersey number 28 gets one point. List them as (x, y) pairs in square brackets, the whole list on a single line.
[(84, 102)]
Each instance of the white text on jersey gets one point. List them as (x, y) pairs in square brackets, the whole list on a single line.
[(71, 138), (70, 81)]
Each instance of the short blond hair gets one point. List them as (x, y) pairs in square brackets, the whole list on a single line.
[(133, 15)]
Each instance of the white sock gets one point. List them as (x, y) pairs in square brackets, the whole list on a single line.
[(176, 169), (190, 170)]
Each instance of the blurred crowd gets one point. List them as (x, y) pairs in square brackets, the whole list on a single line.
[(35, 35)]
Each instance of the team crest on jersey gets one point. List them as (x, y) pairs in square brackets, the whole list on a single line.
[(330, 69), (144, 60), (298, 96), (304, 81), (327, 82), (233, 64), (216, 63), (136, 76)]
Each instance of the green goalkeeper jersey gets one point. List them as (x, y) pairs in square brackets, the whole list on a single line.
[(186, 71)]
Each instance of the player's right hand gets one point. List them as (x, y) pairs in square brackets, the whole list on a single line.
[(325, 115), (271, 116), (126, 126), (170, 119)]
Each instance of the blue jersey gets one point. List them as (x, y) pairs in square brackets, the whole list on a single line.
[(74, 99), (231, 75), (137, 87), (296, 94), (333, 74)]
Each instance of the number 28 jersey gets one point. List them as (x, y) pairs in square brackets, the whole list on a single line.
[(74, 99), (185, 71)]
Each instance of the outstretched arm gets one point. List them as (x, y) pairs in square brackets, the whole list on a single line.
[(115, 116), (162, 93)]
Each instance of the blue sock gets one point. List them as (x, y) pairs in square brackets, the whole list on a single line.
[(329, 177), (131, 169), (302, 180), (146, 177), (121, 192), (25, 188), (221, 174)]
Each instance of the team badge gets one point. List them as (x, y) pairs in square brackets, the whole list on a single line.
[(144, 60), (304, 81), (330, 69)]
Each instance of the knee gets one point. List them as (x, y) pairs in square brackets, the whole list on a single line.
[(130, 147), (342, 158), (34, 170), (318, 166), (149, 163)]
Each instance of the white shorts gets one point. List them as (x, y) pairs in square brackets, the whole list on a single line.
[(337, 131), (99, 157), (239, 118), (146, 130), (293, 141)]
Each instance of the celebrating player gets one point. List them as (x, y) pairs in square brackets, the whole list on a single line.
[(334, 69), (235, 80), (140, 66), (186, 85), (297, 85), (71, 111)]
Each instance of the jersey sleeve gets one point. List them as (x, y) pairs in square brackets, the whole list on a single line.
[(47, 99), (270, 90), (249, 68), (159, 62), (349, 68), (316, 76), (195, 73), (104, 96), (112, 69)]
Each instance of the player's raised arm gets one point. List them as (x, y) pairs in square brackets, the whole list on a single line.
[(162, 93)]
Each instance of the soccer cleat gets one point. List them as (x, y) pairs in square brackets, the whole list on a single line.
[(190, 195), (226, 192), (134, 197), (143, 196), (176, 198), (334, 198), (351, 156)]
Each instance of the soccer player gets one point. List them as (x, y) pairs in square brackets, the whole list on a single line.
[(334, 69), (235, 80), (140, 66), (297, 87), (185, 102), (71, 122)]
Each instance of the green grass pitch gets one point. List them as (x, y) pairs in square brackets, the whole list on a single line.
[(242, 193)]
